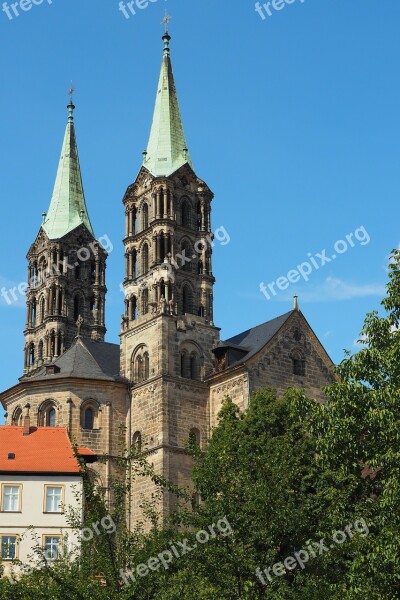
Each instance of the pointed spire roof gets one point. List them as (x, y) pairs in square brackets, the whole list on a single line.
[(67, 207), (167, 149)]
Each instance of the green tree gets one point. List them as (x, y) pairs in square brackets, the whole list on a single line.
[(358, 433)]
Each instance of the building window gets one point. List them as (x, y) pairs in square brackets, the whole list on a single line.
[(90, 415), (139, 369), (17, 417), (11, 498), (8, 547), (47, 414), (145, 259), (185, 214), (53, 499), (89, 419), (51, 418), (299, 366), (194, 436), (31, 354), (51, 546), (137, 441)]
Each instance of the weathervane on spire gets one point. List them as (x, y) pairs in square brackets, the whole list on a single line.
[(71, 92), (166, 20)]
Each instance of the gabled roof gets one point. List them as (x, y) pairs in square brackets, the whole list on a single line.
[(254, 339), (167, 149), (44, 450), (68, 206), (86, 359)]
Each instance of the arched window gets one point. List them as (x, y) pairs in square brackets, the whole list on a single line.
[(145, 216), (42, 271), (185, 214), (33, 313), (32, 356), (162, 246), (16, 418), (90, 415), (145, 259), (51, 418), (40, 350), (298, 364), (137, 441), (134, 272), (140, 365), (194, 436), (299, 367), (186, 300), (88, 419), (47, 414)]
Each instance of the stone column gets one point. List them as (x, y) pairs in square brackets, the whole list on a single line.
[(166, 198), (57, 300), (158, 205)]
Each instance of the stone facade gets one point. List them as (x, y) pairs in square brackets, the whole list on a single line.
[(69, 398), (66, 280), (172, 371)]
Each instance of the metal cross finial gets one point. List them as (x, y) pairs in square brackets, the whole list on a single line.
[(166, 20), (71, 93), (79, 324)]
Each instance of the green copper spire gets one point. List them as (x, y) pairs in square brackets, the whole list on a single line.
[(167, 150), (67, 207)]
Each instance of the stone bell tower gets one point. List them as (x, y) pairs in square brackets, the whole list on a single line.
[(66, 268), (167, 328)]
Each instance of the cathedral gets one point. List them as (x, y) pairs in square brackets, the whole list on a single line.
[(167, 378)]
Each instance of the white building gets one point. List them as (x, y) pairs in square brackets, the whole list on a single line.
[(40, 481)]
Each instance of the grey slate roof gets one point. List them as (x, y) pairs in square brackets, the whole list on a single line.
[(86, 359), (254, 339)]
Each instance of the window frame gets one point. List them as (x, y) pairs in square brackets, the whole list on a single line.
[(20, 489), (62, 501), (17, 540), (50, 535)]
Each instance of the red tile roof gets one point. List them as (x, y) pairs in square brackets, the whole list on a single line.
[(44, 450), (85, 452)]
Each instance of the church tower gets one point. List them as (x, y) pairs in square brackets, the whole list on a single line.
[(167, 329), (66, 268)]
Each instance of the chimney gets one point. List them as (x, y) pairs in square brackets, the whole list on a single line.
[(27, 421)]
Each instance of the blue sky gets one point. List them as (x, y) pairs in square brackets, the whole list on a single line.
[(293, 121)]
